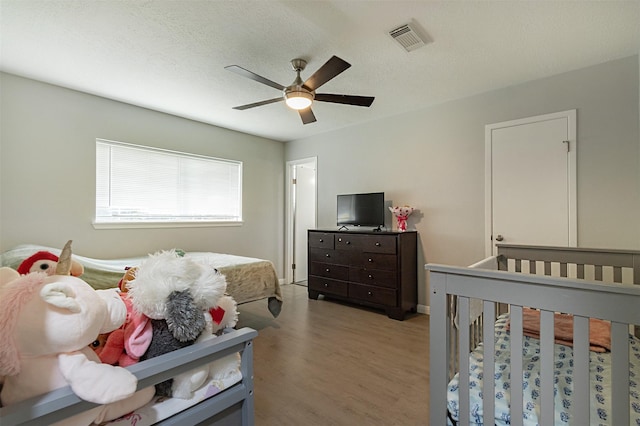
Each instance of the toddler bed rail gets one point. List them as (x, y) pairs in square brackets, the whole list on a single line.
[(530, 386), (232, 406)]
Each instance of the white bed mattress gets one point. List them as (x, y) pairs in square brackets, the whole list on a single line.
[(600, 371)]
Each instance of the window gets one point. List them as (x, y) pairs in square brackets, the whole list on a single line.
[(142, 185)]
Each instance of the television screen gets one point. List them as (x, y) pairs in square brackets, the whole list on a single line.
[(361, 209)]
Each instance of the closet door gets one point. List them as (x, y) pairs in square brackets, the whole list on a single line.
[(530, 181)]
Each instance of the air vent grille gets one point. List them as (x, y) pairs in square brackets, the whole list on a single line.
[(407, 37)]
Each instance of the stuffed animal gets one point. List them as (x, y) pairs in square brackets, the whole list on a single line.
[(175, 292), (128, 343), (125, 345), (46, 323), (402, 214), (129, 275), (7, 275), (44, 261), (225, 366), (222, 317)]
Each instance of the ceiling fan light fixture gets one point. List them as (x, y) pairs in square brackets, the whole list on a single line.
[(298, 99)]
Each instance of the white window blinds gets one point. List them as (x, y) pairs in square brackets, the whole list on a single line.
[(141, 184)]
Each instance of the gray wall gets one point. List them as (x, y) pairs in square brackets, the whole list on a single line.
[(47, 174), (433, 159)]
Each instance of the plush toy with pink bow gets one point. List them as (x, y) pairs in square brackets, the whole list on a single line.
[(402, 214)]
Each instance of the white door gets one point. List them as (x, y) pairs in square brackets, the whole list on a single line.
[(301, 216), (531, 181)]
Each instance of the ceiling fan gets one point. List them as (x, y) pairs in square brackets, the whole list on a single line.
[(299, 95)]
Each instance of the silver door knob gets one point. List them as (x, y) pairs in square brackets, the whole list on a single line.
[(499, 238)]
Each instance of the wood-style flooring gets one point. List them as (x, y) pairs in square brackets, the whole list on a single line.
[(323, 362)]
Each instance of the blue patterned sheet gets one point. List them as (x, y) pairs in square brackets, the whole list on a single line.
[(600, 372)]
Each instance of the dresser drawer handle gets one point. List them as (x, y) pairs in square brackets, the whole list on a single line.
[(370, 276), (377, 244), (321, 240), (348, 242), (339, 240), (327, 270), (370, 260), (369, 293), (326, 285), (327, 255)]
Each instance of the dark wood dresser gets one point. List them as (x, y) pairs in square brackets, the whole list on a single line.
[(376, 269)]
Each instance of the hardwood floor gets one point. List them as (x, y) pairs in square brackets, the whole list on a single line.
[(322, 362)]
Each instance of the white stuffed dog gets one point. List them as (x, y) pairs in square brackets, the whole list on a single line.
[(176, 292)]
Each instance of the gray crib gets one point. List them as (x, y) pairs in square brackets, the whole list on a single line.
[(536, 380), (233, 406)]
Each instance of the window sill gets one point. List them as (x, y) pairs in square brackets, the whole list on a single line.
[(149, 225)]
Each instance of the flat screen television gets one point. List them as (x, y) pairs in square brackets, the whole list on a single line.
[(361, 209)]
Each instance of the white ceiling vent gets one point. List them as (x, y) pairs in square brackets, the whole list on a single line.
[(408, 37)]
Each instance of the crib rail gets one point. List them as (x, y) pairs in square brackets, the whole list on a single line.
[(466, 301), (618, 261)]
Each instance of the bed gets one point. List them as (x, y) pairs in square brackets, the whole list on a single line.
[(537, 380), (248, 279), (232, 405)]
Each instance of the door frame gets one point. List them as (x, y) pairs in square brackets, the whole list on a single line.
[(290, 212), (570, 115)]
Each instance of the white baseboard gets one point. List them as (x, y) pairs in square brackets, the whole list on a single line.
[(424, 309)]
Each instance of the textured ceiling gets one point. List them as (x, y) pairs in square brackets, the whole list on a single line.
[(170, 55)]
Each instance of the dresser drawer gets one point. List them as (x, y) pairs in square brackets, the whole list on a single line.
[(388, 262), (339, 257), (328, 286), (378, 243), (382, 296), (347, 241), (375, 277), (320, 240), (337, 272)]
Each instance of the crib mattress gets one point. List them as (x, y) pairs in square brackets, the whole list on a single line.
[(600, 372), (161, 408)]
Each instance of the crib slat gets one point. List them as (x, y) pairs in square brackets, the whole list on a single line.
[(580, 271), (581, 370), (617, 274), (489, 365), (563, 270), (516, 365), (620, 373), (463, 390), (546, 367), (532, 267), (598, 273)]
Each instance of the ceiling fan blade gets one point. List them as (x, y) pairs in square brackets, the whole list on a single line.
[(253, 76), (307, 115), (257, 104), (363, 101), (330, 69)]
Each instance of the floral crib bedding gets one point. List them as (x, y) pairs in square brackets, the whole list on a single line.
[(600, 383)]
